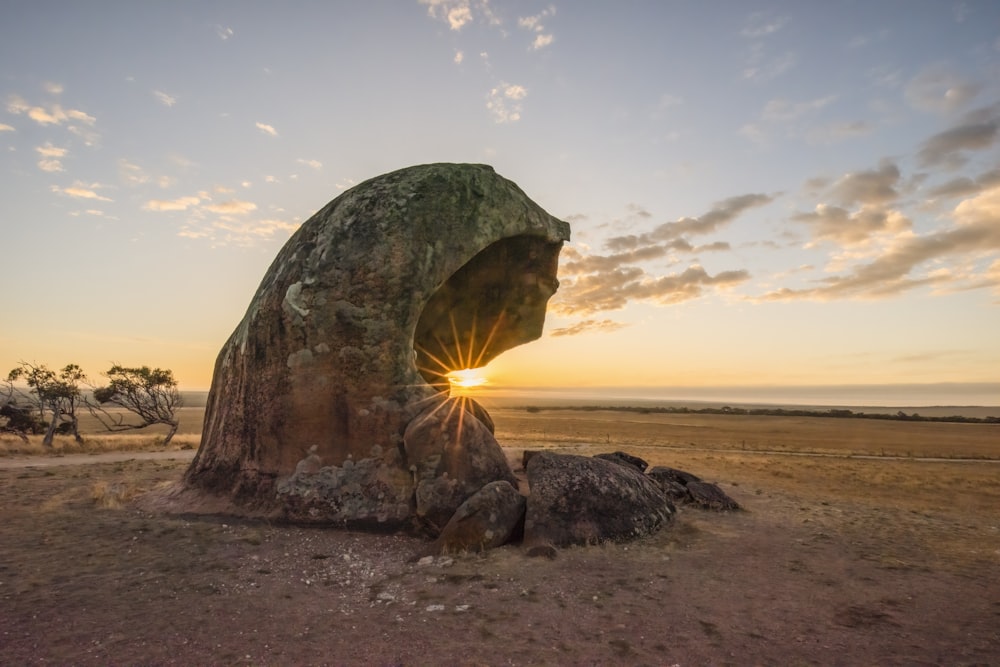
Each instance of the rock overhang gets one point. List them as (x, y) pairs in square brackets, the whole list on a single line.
[(494, 302), (364, 310)]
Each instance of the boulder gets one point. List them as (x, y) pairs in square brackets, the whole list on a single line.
[(709, 496), (675, 491), (352, 332), (684, 488), (526, 456), (363, 494), (672, 474), (488, 519), (623, 458), (583, 500), (452, 455)]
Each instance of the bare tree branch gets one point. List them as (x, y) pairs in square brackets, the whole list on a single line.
[(150, 394)]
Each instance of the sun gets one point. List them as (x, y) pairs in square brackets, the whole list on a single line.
[(467, 378)]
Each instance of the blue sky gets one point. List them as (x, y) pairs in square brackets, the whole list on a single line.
[(760, 193)]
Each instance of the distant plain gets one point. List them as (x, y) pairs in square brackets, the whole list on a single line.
[(862, 542)]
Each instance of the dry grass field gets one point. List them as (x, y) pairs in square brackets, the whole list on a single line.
[(97, 440), (838, 559)]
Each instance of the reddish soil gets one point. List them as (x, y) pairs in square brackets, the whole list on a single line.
[(836, 561)]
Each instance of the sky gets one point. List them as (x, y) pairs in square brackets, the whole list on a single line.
[(760, 193)]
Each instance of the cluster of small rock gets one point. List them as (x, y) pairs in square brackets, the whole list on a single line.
[(576, 500)]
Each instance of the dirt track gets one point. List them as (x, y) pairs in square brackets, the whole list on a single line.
[(89, 459)]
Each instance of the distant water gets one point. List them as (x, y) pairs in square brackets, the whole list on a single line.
[(984, 397), (969, 399)]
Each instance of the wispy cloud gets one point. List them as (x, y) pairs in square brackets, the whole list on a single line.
[(783, 110), (48, 150), (231, 222), (53, 114), (613, 290), (760, 24), (978, 130), (761, 67), (179, 204), (588, 326), (839, 131), (4, 127), (844, 227), (267, 129), (224, 33), (52, 88), (534, 24), (456, 13), (593, 283), (876, 186), (51, 160), (761, 64), (131, 173), (232, 207), (541, 41), (791, 118), (964, 186), (82, 191), (867, 39), (855, 210), (312, 164), (939, 89), (755, 133), (505, 102), (244, 232), (722, 213), (913, 260), (164, 99)]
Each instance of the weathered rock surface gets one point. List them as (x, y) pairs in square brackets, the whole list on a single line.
[(686, 489), (624, 458), (710, 497), (582, 500), (366, 494), (672, 474), (486, 520), (452, 455), (351, 333)]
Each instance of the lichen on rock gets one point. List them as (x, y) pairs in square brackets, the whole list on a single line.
[(350, 336), (590, 500)]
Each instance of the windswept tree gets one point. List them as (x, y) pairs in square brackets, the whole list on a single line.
[(51, 393), (148, 393), (17, 416)]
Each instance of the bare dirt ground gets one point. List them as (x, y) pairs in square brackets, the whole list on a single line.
[(836, 561)]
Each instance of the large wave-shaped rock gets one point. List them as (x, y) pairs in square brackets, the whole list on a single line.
[(347, 342)]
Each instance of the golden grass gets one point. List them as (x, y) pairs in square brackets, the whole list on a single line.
[(610, 430), (744, 433), (97, 439), (113, 495), (134, 441)]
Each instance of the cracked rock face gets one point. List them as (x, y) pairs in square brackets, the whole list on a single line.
[(349, 339)]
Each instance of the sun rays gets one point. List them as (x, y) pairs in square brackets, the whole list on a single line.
[(455, 373), (460, 369), (467, 378)]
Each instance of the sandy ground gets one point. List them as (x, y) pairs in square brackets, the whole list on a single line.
[(836, 561)]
